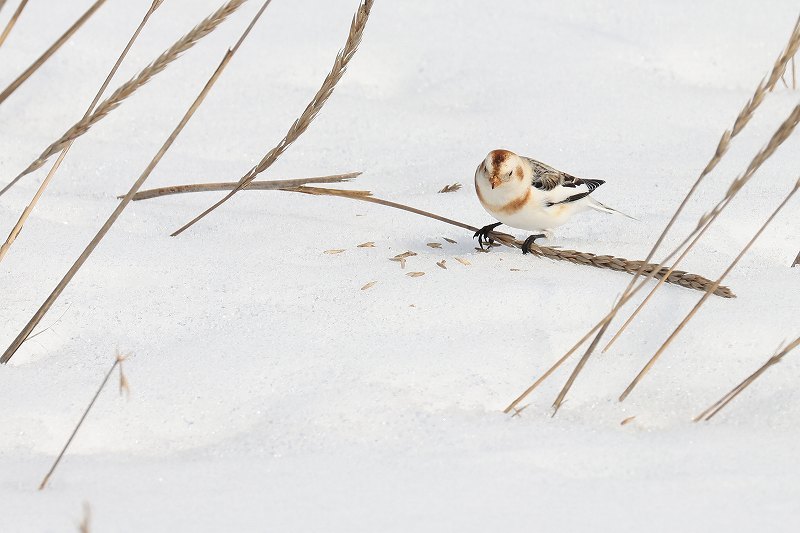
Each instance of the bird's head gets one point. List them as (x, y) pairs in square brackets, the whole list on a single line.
[(501, 167)]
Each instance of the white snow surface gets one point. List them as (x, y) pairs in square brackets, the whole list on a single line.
[(270, 393)]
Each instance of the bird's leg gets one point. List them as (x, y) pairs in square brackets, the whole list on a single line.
[(526, 246), (483, 234)]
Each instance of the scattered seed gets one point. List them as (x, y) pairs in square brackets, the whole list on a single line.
[(451, 188), (440, 264), (435, 244), (405, 254), (451, 241), (481, 250), (369, 244), (337, 251), (627, 420), (463, 261), (415, 274), (401, 260), (369, 285)]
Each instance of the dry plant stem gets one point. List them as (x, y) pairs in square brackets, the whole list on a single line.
[(733, 393), (12, 21), (27, 211), (50, 51), (796, 260), (311, 111), (2, 4), (722, 147), (702, 300), (131, 86), (271, 185), (683, 279), (127, 199), (117, 360)]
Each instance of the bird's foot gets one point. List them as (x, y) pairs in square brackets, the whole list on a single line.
[(526, 246), (483, 235)]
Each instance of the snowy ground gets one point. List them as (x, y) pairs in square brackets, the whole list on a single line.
[(269, 393)]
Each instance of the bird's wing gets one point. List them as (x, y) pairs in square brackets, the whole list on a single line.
[(547, 178)]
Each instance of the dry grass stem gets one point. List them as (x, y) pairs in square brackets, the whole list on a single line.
[(451, 241), (50, 51), (463, 261), (117, 362), (450, 188), (369, 285), (705, 297), (333, 252), (27, 211), (733, 393), (227, 9), (415, 274), (683, 279), (85, 525), (796, 260), (309, 114), (2, 4), (369, 244), (434, 244), (127, 89), (271, 185), (627, 421), (739, 124), (12, 21)]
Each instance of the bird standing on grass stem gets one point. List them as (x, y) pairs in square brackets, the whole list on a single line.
[(526, 194)]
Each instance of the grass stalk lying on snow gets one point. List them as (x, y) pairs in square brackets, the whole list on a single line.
[(733, 393), (271, 185), (131, 86), (683, 279), (12, 21), (27, 211), (309, 114), (722, 147), (50, 51), (123, 386), (702, 300), (796, 260), (134, 188)]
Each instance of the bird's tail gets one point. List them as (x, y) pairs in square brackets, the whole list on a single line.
[(594, 204)]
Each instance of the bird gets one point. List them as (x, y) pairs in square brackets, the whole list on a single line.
[(527, 194)]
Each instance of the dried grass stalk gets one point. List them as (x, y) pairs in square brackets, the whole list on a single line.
[(683, 279), (27, 211), (271, 185), (127, 89), (722, 147), (12, 21), (733, 393), (702, 300), (450, 188), (796, 260), (118, 359), (47, 53), (11, 350), (309, 114), (2, 4)]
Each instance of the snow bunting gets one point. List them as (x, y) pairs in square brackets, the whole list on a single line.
[(526, 194)]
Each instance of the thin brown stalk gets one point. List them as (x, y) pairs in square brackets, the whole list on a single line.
[(702, 300), (271, 185), (27, 211), (127, 89), (741, 121), (12, 21), (118, 359), (11, 350), (683, 279), (311, 111), (733, 393), (50, 51), (2, 4), (796, 260)]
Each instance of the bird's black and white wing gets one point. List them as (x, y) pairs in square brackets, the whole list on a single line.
[(561, 187)]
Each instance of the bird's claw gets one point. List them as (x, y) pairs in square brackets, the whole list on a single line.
[(483, 235), (526, 246)]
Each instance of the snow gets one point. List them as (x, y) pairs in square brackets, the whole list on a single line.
[(269, 393)]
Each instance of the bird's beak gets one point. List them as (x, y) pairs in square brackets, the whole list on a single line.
[(495, 181)]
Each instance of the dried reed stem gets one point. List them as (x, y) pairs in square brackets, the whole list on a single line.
[(27, 211), (12, 21), (722, 147), (271, 185), (2, 4), (50, 51), (702, 300), (314, 107), (733, 393), (118, 359), (128, 88), (683, 279), (134, 188)]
